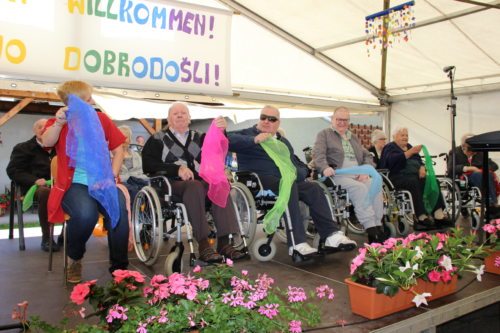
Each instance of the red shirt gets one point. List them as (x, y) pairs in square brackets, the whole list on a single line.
[(64, 176)]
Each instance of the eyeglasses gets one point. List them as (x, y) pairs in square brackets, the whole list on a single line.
[(340, 120), (271, 119)]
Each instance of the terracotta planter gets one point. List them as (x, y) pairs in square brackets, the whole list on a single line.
[(489, 263), (367, 303)]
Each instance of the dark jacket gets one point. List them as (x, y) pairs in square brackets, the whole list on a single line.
[(29, 162), (461, 161), (252, 157), (163, 152), (376, 158), (394, 159)]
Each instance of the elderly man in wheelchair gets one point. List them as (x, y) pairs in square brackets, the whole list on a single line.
[(176, 153), (266, 153)]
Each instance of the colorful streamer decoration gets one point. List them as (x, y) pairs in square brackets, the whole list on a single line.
[(385, 28)]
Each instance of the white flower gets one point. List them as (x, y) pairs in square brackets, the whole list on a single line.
[(420, 299), (419, 253), (404, 268), (446, 263), (479, 271)]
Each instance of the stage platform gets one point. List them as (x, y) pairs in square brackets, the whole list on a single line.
[(24, 276)]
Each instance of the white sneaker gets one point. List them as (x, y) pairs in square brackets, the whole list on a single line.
[(340, 242), (303, 248)]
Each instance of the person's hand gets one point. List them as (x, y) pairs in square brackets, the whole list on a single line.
[(471, 169), (329, 172), (362, 178), (40, 182), (185, 173), (261, 137), (415, 149), (421, 172), (61, 116), (220, 122)]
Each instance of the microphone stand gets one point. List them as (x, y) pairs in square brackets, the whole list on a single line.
[(452, 107)]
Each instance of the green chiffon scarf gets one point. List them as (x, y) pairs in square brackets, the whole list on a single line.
[(28, 198), (431, 188), (280, 154)]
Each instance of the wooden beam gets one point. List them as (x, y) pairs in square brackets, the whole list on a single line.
[(147, 126), (489, 5), (15, 110), (45, 96), (158, 124)]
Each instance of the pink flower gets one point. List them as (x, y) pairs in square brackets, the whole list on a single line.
[(497, 261), (490, 228), (229, 262), (82, 312), (296, 294), (439, 246), (353, 268), (434, 276), (116, 312), (446, 276), (323, 290), (197, 269), (142, 328), (269, 310), (295, 326), (244, 272), (122, 274), (80, 293)]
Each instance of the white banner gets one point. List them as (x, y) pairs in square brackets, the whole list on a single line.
[(146, 45)]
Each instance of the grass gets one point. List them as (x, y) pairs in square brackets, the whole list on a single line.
[(4, 226)]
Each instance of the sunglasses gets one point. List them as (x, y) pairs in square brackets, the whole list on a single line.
[(271, 119)]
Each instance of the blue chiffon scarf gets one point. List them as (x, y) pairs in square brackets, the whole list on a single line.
[(87, 148)]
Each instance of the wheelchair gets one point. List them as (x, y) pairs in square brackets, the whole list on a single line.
[(158, 215), (264, 249), (397, 209)]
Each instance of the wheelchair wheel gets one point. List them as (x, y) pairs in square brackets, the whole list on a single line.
[(148, 225), (402, 227), (263, 251), (446, 190), (389, 229), (246, 213), (475, 219), (173, 263), (353, 224)]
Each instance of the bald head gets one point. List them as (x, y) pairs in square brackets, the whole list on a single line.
[(38, 127), (269, 120)]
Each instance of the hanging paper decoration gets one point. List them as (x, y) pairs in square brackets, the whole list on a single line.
[(388, 26)]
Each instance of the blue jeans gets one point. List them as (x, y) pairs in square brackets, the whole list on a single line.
[(84, 211), (476, 179)]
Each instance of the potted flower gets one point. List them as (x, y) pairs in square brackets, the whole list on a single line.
[(492, 261), (415, 269), (215, 299), (4, 202)]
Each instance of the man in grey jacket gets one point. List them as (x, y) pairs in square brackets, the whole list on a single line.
[(337, 147)]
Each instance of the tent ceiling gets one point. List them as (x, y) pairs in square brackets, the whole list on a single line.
[(467, 41)]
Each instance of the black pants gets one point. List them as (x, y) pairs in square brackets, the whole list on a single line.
[(415, 186), (312, 195)]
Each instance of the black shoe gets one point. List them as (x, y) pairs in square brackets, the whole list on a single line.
[(60, 240), (444, 223), (424, 225), (46, 246), (375, 235)]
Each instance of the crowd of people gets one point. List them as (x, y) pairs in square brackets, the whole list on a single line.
[(93, 155)]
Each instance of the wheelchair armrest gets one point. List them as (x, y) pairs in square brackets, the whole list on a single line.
[(249, 179)]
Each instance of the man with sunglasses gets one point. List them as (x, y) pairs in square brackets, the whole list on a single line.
[(335, 147), (252, 157)]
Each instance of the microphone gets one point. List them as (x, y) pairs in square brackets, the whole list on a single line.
[(448, 68)]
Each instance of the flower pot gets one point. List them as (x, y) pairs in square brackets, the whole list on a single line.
[(489, 263), (367, 303)]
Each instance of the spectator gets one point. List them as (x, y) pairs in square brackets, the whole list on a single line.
[(30, 165), (379, 140), (139, 140), (131, 174)]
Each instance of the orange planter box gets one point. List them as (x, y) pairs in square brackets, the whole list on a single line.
[(489, 263), (367, 303)]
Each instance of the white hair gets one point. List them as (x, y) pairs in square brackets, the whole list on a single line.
[(465, 137), (398, 129), (377, 135)]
